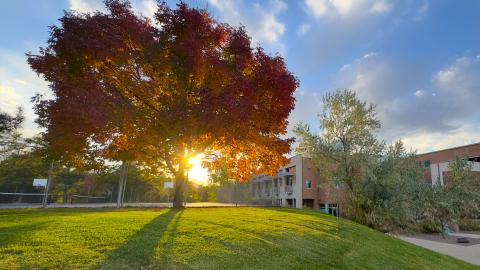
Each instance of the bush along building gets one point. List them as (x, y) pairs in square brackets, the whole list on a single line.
[(436, 165), (299, 184)]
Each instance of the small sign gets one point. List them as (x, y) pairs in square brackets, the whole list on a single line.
[(39, 182), (167, 184)]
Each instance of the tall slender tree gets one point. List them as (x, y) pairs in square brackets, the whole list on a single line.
[(347, 140), (127, 88)]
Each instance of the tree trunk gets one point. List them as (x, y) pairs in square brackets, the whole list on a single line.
[(179, 195), (65, 195)]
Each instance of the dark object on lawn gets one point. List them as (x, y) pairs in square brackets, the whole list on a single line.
[(463, 240)]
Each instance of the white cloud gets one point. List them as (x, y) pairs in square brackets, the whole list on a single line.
[(260, 20), (442, 119), (270, 29), (419, 93), (461, 79), (381, 7), (146, 8), (85, 5), (318, 7), (303, 29), (432, 141), (346, 8), (10, 99)]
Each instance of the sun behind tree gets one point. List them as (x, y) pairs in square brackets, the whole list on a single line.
[(197, 172)]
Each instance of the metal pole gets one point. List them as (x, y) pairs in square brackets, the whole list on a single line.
[(120, 185), (186, 189), (125, 178), (49, 179)]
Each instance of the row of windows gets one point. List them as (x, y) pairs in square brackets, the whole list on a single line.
[(289, 182), (425, 164), (308, 184)]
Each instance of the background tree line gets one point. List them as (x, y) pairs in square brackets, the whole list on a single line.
[(23, 159)]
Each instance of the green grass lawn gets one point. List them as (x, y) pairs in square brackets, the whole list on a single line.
[(213, 238)]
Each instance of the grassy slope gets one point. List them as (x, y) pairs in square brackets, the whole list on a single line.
[(218, 238)]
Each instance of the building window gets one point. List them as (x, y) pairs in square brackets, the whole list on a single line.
[(331, 209), (289, 180), (427, 163), (308, 184)]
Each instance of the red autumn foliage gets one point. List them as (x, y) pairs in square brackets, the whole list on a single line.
[(127, 88)]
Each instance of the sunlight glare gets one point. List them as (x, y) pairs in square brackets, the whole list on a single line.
[(197, 173)]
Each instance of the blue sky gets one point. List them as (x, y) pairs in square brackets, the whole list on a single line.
[(418, 60)]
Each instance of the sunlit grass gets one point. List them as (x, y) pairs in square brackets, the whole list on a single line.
[(214, 238)]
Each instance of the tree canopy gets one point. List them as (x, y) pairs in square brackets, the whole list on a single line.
[(347, 141), (128, 88)]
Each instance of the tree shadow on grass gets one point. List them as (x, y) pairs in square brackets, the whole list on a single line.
[(328, 222), (138, 251), (12, 234)]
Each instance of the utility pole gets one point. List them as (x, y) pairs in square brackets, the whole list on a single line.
[(47, 187), (120, 185)]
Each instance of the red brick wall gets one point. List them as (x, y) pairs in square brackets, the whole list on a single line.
[(309, 172), (472, 150)]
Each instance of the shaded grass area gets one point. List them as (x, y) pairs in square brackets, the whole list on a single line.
[(204, 238)]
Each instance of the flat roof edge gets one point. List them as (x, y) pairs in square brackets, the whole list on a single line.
[(451, 148)]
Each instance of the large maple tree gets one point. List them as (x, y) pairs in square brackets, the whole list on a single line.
[(130, 89)]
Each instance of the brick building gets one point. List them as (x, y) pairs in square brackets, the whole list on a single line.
[(298, 184), (436, 164)]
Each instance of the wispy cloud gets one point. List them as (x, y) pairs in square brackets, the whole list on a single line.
[(303, 29), (346, 8)]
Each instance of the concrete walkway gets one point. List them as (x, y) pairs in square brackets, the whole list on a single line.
[(113, 205), (466, 253)]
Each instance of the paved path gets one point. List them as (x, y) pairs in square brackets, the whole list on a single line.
[(112, 205), (469, 254)]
